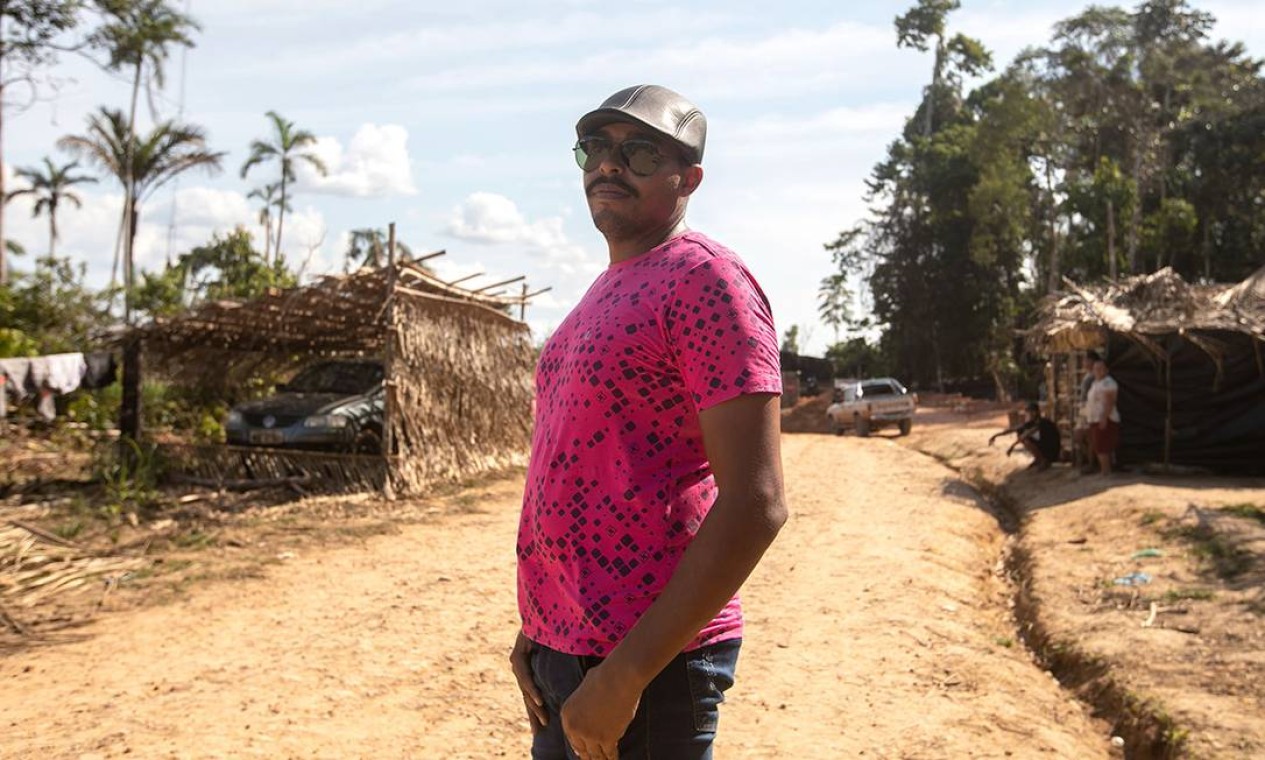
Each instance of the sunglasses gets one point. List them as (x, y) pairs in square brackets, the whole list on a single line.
[(642, 157)]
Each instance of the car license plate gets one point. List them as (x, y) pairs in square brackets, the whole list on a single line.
[(267, 437)]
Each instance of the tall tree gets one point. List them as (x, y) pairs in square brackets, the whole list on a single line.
[(918, 243), (50, 186), (270, 197), (30, 38), (226, 267), (924, 25), (288, 146), (1129, 142), (143, 163), (834, 294), (51, 308), (790, 339), (230, 267), (138, 36), (367, 247)]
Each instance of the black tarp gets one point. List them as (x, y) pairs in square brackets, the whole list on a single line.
[(1218, 417)]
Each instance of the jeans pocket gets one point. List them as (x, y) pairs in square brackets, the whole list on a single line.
[(557, 675), (710, 671)]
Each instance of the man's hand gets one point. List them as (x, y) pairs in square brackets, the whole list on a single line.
[(598, 713), (520, 662)]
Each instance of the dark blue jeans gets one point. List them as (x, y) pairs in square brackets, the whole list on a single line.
[(676, 718)]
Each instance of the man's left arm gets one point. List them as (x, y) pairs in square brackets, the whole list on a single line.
[(741, 437)]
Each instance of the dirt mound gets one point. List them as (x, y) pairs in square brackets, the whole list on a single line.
[(807, 416)]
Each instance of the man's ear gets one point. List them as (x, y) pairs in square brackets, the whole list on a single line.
[(691, 178)]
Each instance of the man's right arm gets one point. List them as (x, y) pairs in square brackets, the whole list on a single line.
[(520, 663)]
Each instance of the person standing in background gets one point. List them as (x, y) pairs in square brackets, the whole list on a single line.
[(1104, 417)]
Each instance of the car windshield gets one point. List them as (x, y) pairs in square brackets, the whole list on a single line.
[(337, 377), (877, 389)]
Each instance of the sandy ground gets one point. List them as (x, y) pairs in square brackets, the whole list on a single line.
[(877, 627)]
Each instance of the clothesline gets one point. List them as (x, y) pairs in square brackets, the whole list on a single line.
[(53, 375)]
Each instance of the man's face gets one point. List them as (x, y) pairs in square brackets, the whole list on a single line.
[(1100, 369), (624, 204)]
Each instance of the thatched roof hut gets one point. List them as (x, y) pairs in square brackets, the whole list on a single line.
[(458, 369), (1190, 361)]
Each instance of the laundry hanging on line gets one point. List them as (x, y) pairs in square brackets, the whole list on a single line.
[(54, 374)]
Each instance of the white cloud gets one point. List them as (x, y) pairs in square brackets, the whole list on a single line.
[(374, 164), (515, 244), (495, 219), (492, 219)]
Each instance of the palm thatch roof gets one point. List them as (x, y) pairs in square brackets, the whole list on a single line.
[(336, 314), (1147, 307)]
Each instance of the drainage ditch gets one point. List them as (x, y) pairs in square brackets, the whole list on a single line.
[(1147, 731)]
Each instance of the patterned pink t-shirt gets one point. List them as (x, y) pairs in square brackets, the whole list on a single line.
[(619, 481)]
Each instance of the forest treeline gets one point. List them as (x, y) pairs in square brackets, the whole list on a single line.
[(1130, 141)]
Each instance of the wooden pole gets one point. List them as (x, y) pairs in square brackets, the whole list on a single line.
[(1053, 283), (388, 370), (130, 406), (502, 282), (463, 279), (429, 256), (1076, 369), (1168, 409), (1111, 240), (527, 297)]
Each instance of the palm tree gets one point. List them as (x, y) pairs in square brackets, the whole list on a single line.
[(268, 195), (368, 248), (138, 37), (168, 150), (32, 38), (287, 148), (50, 187)]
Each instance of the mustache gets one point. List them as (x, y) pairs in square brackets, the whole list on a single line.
[(617, 182)]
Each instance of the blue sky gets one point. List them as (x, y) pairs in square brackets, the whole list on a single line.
[(457, 124)]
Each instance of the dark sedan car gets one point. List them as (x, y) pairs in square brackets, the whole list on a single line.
[(333, 406)]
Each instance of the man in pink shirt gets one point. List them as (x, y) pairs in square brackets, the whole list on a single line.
[(655, 482)]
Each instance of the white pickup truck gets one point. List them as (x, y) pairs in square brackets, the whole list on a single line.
[(869, 405)]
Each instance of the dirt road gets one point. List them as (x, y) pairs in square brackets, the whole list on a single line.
[(876, 628)]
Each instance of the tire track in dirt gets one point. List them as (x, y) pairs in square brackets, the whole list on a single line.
[(876, 628)]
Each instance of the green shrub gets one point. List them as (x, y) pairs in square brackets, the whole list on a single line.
[(98, 409), (129, 473), (14, 342)]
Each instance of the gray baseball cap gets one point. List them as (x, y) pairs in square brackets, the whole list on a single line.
[(656, 108)]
